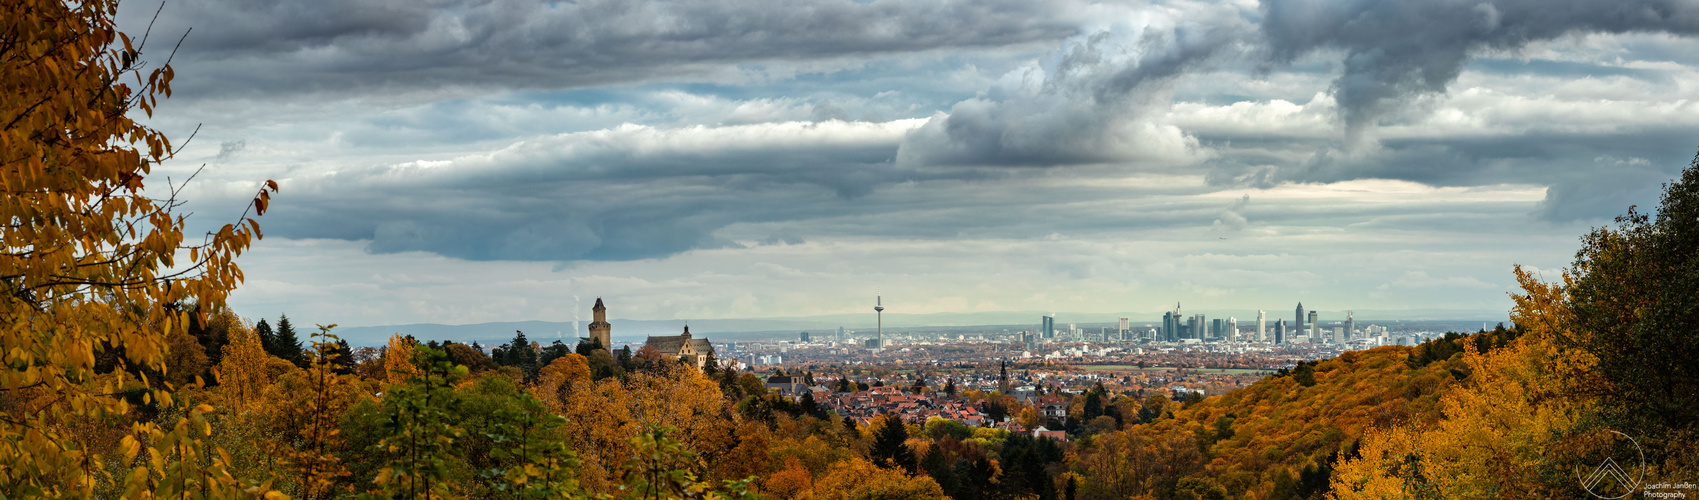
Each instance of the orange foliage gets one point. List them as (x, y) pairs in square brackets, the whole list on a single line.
[(792, 483), (555, 381)]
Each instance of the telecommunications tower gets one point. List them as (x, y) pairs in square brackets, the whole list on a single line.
[(879, 307)]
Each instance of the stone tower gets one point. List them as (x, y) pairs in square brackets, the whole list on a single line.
[(1003, 384), (600, 329)]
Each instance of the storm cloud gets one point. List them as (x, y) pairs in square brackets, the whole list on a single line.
[(1398, 50), (257, 48)]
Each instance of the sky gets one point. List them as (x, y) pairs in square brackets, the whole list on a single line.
[(461, 162)]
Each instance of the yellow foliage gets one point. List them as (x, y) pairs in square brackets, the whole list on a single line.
[(602, 417), (302, 411), (1498, 426), (398, 365), (858, 479), (554, 381), (242, 374), (1029, 418), (186, 359), (94, 268)]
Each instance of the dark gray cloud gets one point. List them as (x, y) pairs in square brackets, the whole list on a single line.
[(1396, 50), (1089, 105), (260, 47), (1591, 175), (628, 193)]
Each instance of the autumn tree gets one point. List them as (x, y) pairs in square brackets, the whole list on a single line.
[(556, 381), (398, 360), (1634, 301), (185, 359), (93, 264), (242, 372), (474, 359), (304, 408), (421, 428), (858, 479)]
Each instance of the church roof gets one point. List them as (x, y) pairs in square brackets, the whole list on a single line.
[(672, 344)]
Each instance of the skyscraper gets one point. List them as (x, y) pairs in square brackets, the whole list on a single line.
[(1217, 328), (1280, 332), (1125, 327), (1315, 328), (1172, 324), (1262, 326), (1299, 322), (1049, 328), (1350, 325), (1232, 329)]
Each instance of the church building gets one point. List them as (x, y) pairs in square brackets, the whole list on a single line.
[(682, 346)]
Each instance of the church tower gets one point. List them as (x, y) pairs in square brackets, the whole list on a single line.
[(1003, 384), (600, 329)]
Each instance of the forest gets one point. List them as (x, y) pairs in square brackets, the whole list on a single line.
[(126, 375)]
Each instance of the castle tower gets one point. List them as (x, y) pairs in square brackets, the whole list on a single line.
[(600, 330)]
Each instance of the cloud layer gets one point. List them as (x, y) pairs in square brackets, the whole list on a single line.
[(1123, 148)]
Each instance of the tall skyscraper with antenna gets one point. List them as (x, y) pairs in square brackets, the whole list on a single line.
[(879, 307)]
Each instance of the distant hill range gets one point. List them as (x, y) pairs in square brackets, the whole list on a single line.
[(634, 330)]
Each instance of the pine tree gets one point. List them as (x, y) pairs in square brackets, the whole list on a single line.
[(809, 406), (286, 345), (712, 366), (890, 446), (950, 387), (518, 352), (267, 337)]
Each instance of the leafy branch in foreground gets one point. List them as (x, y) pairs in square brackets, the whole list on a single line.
[(90, 282)]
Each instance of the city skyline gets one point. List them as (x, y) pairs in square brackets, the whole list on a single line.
[(465, 163)]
